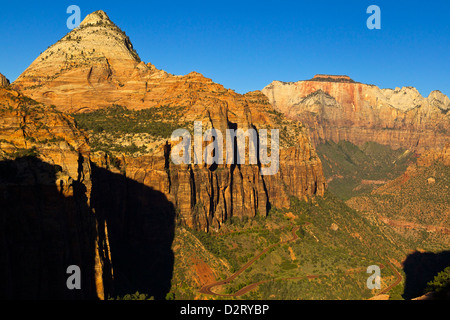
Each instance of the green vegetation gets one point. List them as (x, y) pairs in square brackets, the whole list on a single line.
[(440, 284), (355, 170), (117, 119), (414, 201), (327, 78), (133, 296), (289, 130), (22, 153), (107, 127), (338, 256)]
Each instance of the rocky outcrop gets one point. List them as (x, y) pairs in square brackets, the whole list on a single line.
[(433, 156), (95, 66), (338, 108), (46, 223), (206, 196), (332, 78), (3, 81), (60, 209), (28, 125)]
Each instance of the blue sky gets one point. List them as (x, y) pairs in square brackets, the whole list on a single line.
[(245, 45)]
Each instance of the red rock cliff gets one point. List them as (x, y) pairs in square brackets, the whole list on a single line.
[(95, 66), (46, 223), (337, 108)]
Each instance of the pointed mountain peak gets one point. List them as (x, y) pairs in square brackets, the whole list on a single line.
[(95, 59), (96, 18), (97, 40)]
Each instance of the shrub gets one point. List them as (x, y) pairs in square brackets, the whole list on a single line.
[(134, 296), (441, 283)]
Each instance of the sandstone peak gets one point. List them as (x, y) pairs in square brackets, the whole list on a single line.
[(94, 60), (439, 100), (436, 94), (96, 17)]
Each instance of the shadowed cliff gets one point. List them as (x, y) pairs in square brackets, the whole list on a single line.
[(420, 268), (140, 222), (42, 232)]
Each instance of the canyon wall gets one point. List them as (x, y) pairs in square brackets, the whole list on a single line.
[(95, 66), (206, 196), (46, 223), (64, 205), (3, 81), (338, 108), (60, 209)]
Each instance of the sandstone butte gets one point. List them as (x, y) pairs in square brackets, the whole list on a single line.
[(95, 66), (338, 108)]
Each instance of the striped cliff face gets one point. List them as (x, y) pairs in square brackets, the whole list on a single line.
[(337, 108), (46, 220), (3, 81), (95, 66)]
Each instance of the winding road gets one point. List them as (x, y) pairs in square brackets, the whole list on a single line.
[(207, 288)]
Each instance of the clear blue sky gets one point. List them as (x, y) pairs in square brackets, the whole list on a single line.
[(244, 45)]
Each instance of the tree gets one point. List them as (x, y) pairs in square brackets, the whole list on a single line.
[(440, 284), (170, 296), (134, 296)]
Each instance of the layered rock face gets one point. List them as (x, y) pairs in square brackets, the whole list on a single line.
[(46, 224), (338, 108), (3, 81), (206, 197), (95, 66), (59, 209)]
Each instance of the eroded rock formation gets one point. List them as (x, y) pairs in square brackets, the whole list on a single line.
[(3, 81), (46, 223), (60, 209), (338, 108), (95, 66)]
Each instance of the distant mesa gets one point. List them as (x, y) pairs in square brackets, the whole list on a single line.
[(332, 78)]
